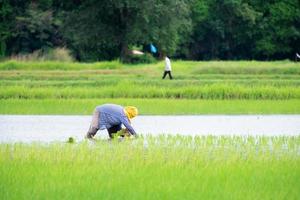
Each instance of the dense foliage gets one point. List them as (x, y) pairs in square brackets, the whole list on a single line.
[(189, 29)]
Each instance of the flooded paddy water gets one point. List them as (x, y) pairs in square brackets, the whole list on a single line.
[(49, 128)]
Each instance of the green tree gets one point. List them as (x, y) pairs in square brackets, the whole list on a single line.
[(35, 29), (170, 24), (223, 29), (245, 29), (115, 25), (6, 16), (279, 31)]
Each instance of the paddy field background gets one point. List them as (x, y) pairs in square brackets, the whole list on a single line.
[(152, 167), (198, 87)]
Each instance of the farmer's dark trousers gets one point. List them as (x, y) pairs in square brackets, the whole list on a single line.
[(114, 129), (94, 127), (111, 131), (165, 74)]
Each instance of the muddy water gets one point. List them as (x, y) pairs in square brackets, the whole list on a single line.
[(34, 128)]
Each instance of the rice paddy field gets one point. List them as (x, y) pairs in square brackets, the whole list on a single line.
[(163, 167), (230, 87), (160, 167)]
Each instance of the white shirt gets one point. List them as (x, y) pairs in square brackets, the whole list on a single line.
[(168, 64)]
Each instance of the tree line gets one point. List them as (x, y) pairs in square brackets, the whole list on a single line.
[(187, 29)]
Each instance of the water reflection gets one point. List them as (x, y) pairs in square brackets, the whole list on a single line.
[(28, 128)]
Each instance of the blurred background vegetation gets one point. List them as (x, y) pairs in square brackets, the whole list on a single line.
[(93, 30)]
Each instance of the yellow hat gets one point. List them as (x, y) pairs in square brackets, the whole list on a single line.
[(131, 111)]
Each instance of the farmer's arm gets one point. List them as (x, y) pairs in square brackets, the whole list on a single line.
[(126, 123)]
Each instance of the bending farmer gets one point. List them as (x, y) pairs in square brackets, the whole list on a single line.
[(111, 117)]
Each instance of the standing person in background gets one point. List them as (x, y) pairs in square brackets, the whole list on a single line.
[(168, 68), (111, 117)]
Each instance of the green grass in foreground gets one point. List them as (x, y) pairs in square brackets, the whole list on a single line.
[(164, 167), (151, 106)]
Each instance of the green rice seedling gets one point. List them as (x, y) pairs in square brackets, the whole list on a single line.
[(84, 85), (151, 106), (71, 140), (154, 167), (125, 90), (94, 78), (220, 67)]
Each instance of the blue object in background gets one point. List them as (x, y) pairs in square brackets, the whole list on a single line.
[(153, 48)]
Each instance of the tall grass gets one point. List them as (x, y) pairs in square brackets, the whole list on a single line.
[(56, 54), (164, 167), (56, 65)]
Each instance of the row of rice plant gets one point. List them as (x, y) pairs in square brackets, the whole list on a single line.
[(221, 67), (130, 73), (163, 167), (124, 90), (151, 106), (77, 89), (105, 81)]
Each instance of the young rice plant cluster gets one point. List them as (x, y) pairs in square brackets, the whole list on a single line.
[(161, 167)]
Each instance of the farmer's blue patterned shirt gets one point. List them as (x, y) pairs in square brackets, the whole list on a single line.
[(111, 115)]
